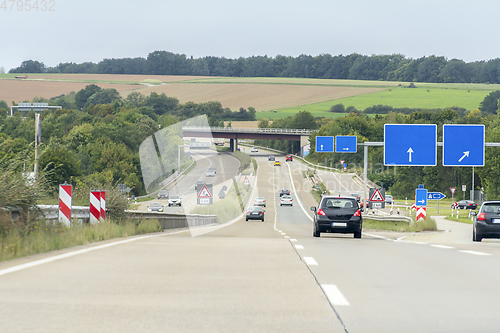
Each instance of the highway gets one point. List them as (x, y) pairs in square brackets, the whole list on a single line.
[(270, 276)]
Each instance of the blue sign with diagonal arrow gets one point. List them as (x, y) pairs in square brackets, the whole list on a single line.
[(463, 145)]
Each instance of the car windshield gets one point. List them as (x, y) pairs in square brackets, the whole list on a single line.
[(491, 208), (338, 203)]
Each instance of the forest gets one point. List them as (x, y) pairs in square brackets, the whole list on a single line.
[(394, 67)]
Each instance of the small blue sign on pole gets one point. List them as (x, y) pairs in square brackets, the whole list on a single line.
[(410, 144), (463, 145), (435, 196), (346, 144), (421, 197), (324, 144)]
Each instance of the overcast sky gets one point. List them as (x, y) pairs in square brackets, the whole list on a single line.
[(91, 30)]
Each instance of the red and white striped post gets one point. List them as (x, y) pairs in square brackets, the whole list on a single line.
[(103, 205), (65, 204), (95, 206), (421, 213)]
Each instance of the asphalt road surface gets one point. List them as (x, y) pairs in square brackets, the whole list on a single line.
[(270, 276)]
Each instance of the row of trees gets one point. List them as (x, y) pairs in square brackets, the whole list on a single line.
[(395, 67)]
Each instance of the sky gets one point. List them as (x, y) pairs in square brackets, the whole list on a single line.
[(91, 30)]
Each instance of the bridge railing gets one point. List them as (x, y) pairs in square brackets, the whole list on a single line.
[(248, 130)]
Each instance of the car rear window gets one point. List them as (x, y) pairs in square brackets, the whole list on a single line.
[(155, 204), (174, 197), (253, 209), (491, 208), (339, 203)]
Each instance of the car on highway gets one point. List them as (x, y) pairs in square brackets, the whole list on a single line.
[(337, 214), (162, 194), (260, 201), (255, 213), (254, 150), (289, 158), (277, 163), (174, 200), (271, 158), (155, 207), (389, 199), (211, 172), (357, 196), (284, 191), (199, 183), (465, 204), (487, 221), (286, 200)]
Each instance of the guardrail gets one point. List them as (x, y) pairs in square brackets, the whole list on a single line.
[(172, 220), (248, 130), (79, 213), (389, 218)]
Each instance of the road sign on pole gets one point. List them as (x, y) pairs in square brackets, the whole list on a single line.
[(463, 145), (346, 144), (421, 197), (377, 198), (324, 144), (205, 196), (410, 144), (435, 196)]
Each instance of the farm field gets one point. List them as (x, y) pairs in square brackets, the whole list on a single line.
[(273, 98)]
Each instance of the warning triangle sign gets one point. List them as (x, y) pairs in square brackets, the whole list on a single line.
[(376, 196), (204, 193), (246, 182)]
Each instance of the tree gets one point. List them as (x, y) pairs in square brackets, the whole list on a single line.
[(60, 165), (83, 95), (338, 108), (29, 66), (490, 103)]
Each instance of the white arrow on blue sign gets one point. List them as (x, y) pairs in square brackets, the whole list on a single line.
[(421, 197), (410, 144), (463, 145), (435, 196), (324, 144), (346, 144)]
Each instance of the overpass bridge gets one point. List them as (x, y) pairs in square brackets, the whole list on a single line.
[(233, 134)]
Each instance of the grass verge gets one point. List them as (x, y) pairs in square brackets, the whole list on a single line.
[(423, 225), (43, 238)]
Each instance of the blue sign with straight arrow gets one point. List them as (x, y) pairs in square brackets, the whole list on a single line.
[(435, 196)]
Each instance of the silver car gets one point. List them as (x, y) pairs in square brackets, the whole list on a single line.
[(155, 207), (286, 200), (211, 172), (260, 201)]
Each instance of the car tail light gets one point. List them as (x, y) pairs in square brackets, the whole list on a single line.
[(261, 213), (358, 213), (480, 217), (248, 213), (321, 212)]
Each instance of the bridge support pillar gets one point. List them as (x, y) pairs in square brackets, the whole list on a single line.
[(233, 145)]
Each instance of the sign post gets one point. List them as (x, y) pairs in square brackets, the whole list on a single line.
[(464, 187), (452, 190)]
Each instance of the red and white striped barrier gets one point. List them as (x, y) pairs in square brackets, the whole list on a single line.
[(103, 205), (421, 213), (95, 206), (65, 203)]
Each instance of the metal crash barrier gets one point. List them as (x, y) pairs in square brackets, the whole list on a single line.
[(173, 221)]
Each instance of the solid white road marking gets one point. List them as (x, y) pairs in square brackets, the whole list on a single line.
[(334, 295), (475, 252), (310, 261), (443, 246), (295, 193), (300, 247)]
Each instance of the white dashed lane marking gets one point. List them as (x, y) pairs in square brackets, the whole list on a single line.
[(443, 246), (475, 253), (299, 247), (334, 295), (310, 261)]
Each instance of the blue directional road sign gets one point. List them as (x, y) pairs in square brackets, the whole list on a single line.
[(346, 144), (421, 197), (410, 145), (435, 196), (463, 145), (324, 144)]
